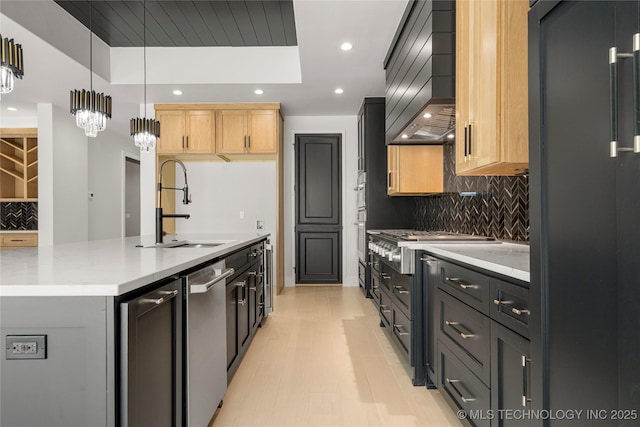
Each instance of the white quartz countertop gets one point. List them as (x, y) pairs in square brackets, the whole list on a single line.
[(106, 267), (509, 259)]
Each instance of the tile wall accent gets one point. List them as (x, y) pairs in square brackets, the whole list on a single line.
[(18, 216), (500, 208)]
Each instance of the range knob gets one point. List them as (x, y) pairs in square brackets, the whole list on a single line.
[(396, 257)]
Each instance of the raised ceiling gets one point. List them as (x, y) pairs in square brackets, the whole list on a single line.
[(188, 23)]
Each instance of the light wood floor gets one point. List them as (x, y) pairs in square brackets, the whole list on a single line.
[(321, 359)]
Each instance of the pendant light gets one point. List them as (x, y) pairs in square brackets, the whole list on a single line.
[(90, 108), (145, 131), (11, 66)]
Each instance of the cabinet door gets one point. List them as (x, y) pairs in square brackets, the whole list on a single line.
[(491, 92), (392, 169), (244, 313), (415, 169), (232, 324), (464, 78), (172, 132), (262, 131), (232, 131), (200, 131), (510, 375)]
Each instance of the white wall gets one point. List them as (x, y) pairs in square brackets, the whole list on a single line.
[(106, 174), (348, 127), (220, 191), (62, 178)]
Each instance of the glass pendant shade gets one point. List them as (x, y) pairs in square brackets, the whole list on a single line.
[(91, 110), (145, 132), (11, 66)]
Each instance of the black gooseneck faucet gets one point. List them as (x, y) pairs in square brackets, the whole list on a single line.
[(186, 199)]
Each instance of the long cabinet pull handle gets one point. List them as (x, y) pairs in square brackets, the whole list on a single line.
[(466, 138), (636, 92), (456, 327), (525, 380), (400, 289), (385, 276), (459, 282), (520, 311), (249, 141), (183, 141), (242, 285), (470, 140), (187, 142), (400, 332), (452, 384), (163, 299), (613, 101), (384, 309)]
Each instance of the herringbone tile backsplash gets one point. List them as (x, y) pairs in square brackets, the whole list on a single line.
[(500, 208), (19, 216)]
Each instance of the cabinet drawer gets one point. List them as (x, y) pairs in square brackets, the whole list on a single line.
[(466, 285), (18, 240), (467, 333), (386, 276), (510, 306), (401, 327), (464, 388), (375, 288), (401, 290), (385, 306), (362, 274)]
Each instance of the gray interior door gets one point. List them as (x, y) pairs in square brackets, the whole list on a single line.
[(318, 231)]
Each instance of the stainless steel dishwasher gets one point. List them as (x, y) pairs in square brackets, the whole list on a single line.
[(205, 352)]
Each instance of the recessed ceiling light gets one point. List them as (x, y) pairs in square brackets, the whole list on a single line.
[(12, 109), (451, 136), (404, 136), (346, 46), (258, 91), (177, 92), (427, 115), (338, 91)]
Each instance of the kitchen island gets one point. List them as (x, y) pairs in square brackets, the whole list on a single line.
[(67, 298)]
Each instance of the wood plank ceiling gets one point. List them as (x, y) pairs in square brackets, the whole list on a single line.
[(189, 23)]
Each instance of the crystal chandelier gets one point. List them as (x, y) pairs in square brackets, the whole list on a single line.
[(90, 108), (11, 66), (145, 131)]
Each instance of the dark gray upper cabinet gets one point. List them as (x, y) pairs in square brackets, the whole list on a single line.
[(420, 64)]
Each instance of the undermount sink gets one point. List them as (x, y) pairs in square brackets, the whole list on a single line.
[(196, 245), (188, 244)]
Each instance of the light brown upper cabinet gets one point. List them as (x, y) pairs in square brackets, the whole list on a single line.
[(414, 169), (247, 131), (492, 133), (186, 131), (18, 164)]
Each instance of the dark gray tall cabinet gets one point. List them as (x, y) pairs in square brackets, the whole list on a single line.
[(585, 210), (376, 209)]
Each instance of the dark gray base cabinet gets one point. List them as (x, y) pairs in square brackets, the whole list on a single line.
[(244, 304), (398, 298), (483, 363)]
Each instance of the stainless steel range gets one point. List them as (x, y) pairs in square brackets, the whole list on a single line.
[(387, 244)]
